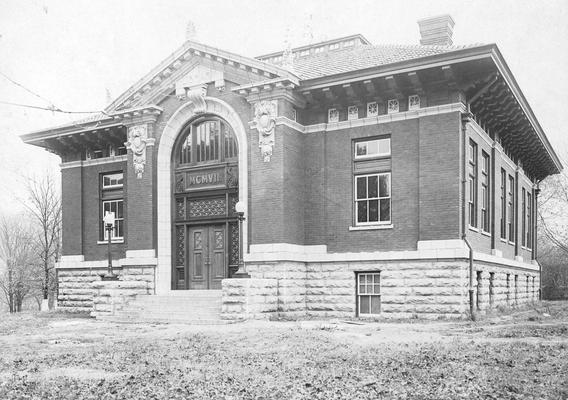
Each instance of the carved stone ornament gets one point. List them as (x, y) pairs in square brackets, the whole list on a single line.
[(196, 95), (137, 142), (265, 118)]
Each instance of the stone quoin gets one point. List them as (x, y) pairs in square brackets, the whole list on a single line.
[(377, 181)]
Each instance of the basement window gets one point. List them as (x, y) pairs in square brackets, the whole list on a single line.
[(368, 293)]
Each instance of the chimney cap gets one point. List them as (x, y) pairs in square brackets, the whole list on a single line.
[(436, 30)]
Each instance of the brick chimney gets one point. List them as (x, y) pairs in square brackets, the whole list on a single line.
[(436, 30)]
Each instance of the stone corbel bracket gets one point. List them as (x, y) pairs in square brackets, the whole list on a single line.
[(138, 140), (265, 113), (196, 95)]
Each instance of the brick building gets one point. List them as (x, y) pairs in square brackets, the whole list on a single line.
[(375, 180)]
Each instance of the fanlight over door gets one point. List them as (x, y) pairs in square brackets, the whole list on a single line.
[(205, 239)]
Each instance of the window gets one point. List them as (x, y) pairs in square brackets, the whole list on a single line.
[(529, 220), (334, 46), (207, 141), (318, 50), (511, 209), (524, 219), (472, 193), (373, 199), (503, 204), (369, 293), (372, 148), (112, 186), (332, 115), (491, 289), (508, 292), (348, 43), (304, 52), (352, 112), (372, 109), (478, 291), (392, 106), (112, 181), (414, 102), (485, 193)]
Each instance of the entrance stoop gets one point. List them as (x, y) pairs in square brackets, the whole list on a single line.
[(201, 307)]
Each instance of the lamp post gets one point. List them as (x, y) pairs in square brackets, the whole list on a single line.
[(241, 272), (108, 221)]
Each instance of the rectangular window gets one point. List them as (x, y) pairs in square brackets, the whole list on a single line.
[(511, 209), (369, 293), (373, 199), (304, 53), (352, 112), (372, 148), (485, 192), (472, 193), (116, 207), (348, 43), (112, 181), (523, 218), (332, 115), (529, 220), (318, 50), (503, 204), (414, 102), (111, 195), (334, 46)]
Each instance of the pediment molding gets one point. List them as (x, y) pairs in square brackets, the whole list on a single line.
[(161, 81)]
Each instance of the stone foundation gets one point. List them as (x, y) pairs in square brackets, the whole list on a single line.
[(83, 290), (414, 288), (249, 298)]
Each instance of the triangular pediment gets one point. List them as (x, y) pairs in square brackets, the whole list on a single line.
[(191, 65)]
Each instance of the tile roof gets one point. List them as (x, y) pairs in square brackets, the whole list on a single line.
[(362, 57)]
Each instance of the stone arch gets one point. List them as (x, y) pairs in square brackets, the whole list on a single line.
[(173, 128)]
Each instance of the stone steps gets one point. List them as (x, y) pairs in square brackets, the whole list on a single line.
[(194, 307)]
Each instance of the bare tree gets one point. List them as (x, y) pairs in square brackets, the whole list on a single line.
[(553, 210), (553, 235), (44, 205), (17, 255)]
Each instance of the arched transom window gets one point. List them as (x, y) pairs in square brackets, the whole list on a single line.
[(207, 141)]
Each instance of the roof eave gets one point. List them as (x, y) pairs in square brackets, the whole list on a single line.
[(516, 90)]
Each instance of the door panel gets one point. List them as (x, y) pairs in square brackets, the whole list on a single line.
[(207, 257), (217, 254)]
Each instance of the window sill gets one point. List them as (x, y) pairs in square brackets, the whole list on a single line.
[(473, 228), (504, 240), (112, 241), (485, 233), (370, 227)]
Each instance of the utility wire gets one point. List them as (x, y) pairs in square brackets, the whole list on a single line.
[(52, 107)]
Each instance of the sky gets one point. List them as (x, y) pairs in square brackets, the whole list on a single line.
[(79, 55)]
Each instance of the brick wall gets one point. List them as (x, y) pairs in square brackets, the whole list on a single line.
[(92, 212), (71, 200), (139, 233), (439, 179)]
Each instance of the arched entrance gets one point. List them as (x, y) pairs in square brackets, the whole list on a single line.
[(214, 107), (204, 194)]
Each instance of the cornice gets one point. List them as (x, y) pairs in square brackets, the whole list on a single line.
[(124, 117)]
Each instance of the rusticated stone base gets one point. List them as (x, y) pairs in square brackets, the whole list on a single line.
[(83, 290), (249, 298), (411, 288)]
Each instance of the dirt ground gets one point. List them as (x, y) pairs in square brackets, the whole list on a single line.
[(523, 355)]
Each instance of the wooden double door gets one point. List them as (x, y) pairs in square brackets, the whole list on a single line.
[(206, 256)]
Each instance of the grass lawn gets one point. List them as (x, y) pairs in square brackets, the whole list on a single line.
[(518, 356)]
